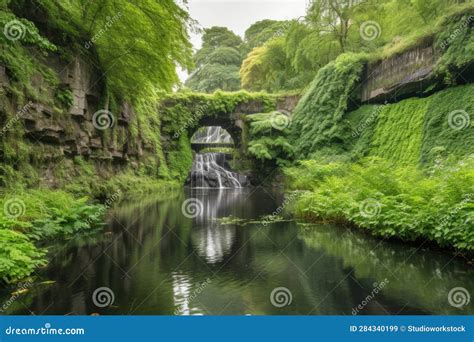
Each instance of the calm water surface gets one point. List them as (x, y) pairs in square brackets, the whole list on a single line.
[(155, 260)]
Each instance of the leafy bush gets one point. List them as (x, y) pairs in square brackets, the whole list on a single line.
[(18, 256), (65, 97), (181, 160), (317, 119), (449, 124), (37, 215), (268, 136), (390, 201)]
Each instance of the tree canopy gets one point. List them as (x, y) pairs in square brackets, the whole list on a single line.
[(217, 62), (138, 44)]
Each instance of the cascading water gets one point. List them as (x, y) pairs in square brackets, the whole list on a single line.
[(212, 135), (211, 170)]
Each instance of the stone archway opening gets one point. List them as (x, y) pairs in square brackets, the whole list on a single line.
[(213, 148), (213, 138)]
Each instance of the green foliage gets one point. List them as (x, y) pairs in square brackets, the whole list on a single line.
[(222, 55), (139, 44), (228, 150), (317, 119), (18, 256), (399, 132), (217, 62), (267, 68), (181, 160), (413, 131), (131, 183), (456, 39), (216, 36), (453, 106), (65, 97), (262, 31), (181, 112), (335, 17), (269, 148), (18, 52), (390, 201), (38, 215), (291, 58), (212, 77), (268, 136)]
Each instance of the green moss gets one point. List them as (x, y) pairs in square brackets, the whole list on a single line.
[(181, 160), (317, 119), (455, 39), (448, 128), (65, 97), (228, 150), (399, 132), (362, 123)]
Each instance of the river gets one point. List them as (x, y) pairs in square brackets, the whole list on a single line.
[(153, 258)]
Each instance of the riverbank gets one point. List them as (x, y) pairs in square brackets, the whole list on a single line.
[(434, 205), (329, 269), (33, 218)]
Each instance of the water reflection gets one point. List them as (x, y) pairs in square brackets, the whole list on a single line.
[(212, 240), (156, 261)]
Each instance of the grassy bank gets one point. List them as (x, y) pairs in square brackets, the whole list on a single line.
[(31, 219), (390, 201)]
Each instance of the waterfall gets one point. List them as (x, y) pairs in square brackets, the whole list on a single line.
[(211, 170), (212, 135)]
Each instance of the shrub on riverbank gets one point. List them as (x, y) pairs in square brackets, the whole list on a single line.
[(390, 201), (34, 216)]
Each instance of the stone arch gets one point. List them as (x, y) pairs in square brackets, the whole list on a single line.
[(231, 123)]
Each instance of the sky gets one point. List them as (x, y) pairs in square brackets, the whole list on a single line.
[(238, 15)]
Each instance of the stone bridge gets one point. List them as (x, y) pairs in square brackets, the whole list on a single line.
[(234, 122)]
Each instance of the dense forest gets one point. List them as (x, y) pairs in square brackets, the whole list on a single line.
[(92, 109)]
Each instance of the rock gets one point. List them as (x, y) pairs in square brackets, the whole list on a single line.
[(211, 170), (286, 104), (126, 114), (402, 75), (95, 143)]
